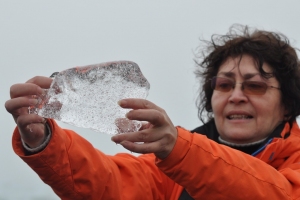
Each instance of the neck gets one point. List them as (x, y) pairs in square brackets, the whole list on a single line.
[(231, 144)]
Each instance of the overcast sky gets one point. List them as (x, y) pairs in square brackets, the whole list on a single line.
[(40, 37)]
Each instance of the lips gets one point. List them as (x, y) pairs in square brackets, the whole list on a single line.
[(239, 116)]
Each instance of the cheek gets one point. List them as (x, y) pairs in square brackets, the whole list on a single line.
[(213, 102), (269, 109), (217, 102)]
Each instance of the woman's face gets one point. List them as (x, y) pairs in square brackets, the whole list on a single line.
[(243, 118)]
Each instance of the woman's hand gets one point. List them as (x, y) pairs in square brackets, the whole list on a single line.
[(31, 126), (158, 136)]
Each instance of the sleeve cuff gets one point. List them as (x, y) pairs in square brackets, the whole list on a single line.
[(42, 146)]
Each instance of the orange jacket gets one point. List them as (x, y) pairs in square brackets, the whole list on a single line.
[(76, 170)]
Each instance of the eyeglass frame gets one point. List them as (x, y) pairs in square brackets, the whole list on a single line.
[(266, 86)]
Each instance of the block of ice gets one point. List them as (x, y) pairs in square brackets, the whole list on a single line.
[(87, 96)]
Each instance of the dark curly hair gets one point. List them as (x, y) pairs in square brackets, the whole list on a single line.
[(265, 47)]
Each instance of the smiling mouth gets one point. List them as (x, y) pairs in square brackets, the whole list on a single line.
[(239, 117)]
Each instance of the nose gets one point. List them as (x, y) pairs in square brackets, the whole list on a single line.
[(237, 95)]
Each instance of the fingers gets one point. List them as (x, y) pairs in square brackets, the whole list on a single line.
[(158, 136), (31, 126), (139, 136), (43, 82), (25, 94), (145, 125), (155, 117), (140, 148), (32, 129), (31, 87), (25, 120), (144, 110), (160, 142), (13, 105), (25, 89), (137, 104), (139, 142)]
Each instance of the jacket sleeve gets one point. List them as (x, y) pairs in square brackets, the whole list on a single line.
[(208, 170), (76, 170)]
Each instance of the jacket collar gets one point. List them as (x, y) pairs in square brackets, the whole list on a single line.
[(209, 129)]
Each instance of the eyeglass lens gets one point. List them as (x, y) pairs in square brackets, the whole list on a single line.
[(249, 87)]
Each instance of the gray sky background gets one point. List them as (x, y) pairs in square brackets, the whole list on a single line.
[(40, 37)]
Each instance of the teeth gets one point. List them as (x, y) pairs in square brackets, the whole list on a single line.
[(239, 117)]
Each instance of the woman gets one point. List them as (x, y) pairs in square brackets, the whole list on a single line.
[(248, 148)]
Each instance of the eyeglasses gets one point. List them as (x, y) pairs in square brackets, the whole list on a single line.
[(249, 87)]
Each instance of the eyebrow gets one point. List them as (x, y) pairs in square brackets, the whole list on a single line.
[(232, 75)]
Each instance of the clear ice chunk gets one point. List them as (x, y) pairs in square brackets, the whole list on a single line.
[(87, 96)]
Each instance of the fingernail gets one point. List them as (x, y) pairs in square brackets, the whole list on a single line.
[(33, 102), (119, 102), (122, 102), (113, 139)]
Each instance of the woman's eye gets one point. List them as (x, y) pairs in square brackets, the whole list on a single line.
[(254, 86), (224, 85)]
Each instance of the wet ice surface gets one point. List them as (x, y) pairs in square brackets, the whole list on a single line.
[(87, 96)]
